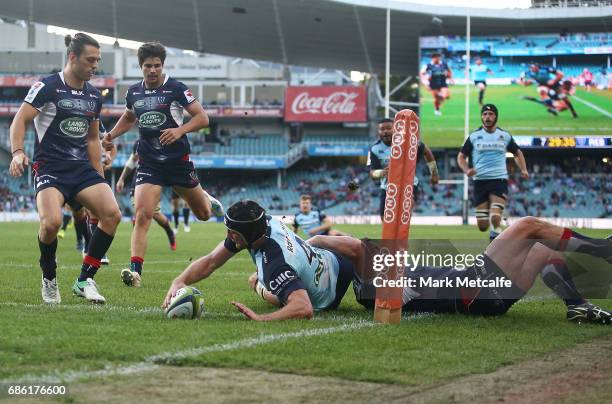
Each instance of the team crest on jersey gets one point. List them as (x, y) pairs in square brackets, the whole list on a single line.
[(189, 95), (152, 119), (74, 127)]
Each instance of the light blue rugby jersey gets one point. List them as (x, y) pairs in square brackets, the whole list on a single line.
[(379, 156), (487, 153), (286, 263), (308, 221), (479, 73)]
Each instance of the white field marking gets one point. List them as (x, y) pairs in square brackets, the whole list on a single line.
[(593, 106), (150, 362), (158, 310)]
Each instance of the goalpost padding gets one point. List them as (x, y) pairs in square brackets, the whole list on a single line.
[(398, 208)]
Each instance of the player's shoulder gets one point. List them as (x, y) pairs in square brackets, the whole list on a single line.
[(173, 83), (376, 145), (476, 132), (51, 80), (504, 132), (135, 88), (92, 90)]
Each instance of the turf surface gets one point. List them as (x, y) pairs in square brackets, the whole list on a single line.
[(75, 337)]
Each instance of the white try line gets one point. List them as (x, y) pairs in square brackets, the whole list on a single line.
[(326, 316), (151, 363), (593, 106)]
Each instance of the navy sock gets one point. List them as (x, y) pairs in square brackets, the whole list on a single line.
[(80, 227), (99, 244), (47, 260), (89, 268), (186, 212), (136, 264), (175, 215), (65, 221)]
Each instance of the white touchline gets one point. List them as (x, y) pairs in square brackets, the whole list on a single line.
[(151, 363), (595, 107)]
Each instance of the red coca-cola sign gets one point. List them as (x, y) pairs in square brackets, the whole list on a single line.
[(326, 104)]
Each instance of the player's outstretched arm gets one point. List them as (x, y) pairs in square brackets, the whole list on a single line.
[(198, 270), (298, 306), (17, 131), (125, 123), (261, 290)]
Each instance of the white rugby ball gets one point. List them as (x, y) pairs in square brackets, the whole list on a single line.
[(188, 304)]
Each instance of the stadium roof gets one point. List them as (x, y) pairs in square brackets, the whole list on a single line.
[(340, 34)]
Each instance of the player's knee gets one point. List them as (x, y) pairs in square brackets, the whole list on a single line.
[(483, 225), (203, 213), (114, 217), (529, 223), (50, 225), (482, 219), (144, 215)]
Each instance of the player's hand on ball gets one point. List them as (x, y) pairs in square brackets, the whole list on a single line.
[(170, 136), (434, 179), (471, 172), (171, 292), (18, 164), (250, 314), (524, 175)]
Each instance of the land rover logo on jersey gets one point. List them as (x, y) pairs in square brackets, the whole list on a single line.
[(140, 103), (65, 104), (74, 127), (152, 119)]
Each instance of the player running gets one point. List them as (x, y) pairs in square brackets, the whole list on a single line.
[(312, 221), (587, 79), (131, 166), (302, 277), (554, 93), (65, 109), (157, 103), (380, 154), (486, 149), (479, 76), (435, 75)]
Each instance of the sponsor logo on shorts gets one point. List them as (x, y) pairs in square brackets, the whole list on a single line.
[(152, 119), (74, 127)]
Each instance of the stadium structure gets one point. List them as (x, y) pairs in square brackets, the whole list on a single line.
[(254, 94)]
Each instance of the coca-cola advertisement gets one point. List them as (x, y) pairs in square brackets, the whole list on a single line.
[(325, 104)]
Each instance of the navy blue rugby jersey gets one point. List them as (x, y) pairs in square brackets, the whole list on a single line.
[(158, 109), (437, 72), (65, 114)]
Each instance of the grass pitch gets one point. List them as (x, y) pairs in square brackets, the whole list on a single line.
[(517, 116), (78, 342)]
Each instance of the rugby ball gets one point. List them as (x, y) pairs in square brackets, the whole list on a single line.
[(187, 304)]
